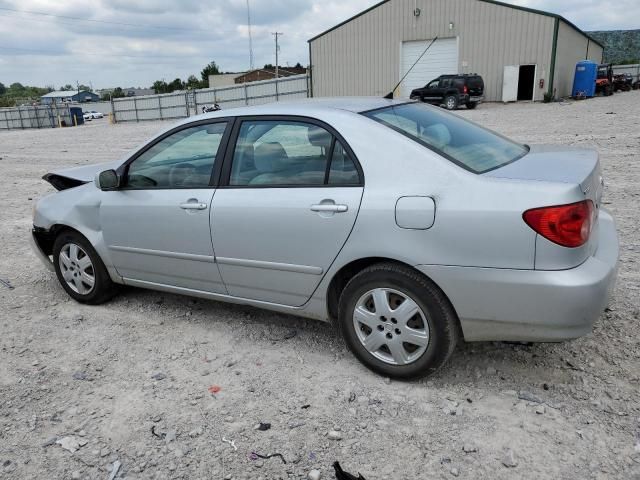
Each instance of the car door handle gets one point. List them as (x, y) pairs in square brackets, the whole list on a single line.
[(329, 207), (193, 206)]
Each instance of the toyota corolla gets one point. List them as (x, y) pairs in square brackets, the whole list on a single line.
[(407, 226)]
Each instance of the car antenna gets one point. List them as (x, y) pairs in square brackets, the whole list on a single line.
[(390, 94)]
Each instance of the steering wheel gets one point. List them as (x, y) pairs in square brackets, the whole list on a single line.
[(179, 173)]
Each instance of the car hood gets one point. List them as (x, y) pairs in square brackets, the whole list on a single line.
[(76, 176)]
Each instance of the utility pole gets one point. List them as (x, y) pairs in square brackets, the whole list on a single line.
[(251, 66), (276, 35)]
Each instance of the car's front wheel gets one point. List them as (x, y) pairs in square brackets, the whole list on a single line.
[(397, 322), (80, 270)]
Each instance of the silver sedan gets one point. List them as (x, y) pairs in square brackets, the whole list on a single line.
[(407, 226)]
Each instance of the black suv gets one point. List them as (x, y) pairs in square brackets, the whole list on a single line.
[(452, 91)]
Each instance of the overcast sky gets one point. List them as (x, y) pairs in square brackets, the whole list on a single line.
[(154, 39)]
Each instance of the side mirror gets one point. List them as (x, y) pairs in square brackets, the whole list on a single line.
[(107, 180)]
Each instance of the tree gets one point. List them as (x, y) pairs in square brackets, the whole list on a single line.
[(177, 84), (67, 88), (268, 66), (16, 87), (3, 89), (298, 65), (118, 93), (193, 82), (84, 88), (160, 86), (211, 69)]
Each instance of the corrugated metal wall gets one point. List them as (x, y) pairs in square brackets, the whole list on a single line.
[(572, 47), (362, 57)]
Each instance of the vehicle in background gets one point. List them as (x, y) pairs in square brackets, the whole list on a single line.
[(95, 114), (87, 116), (604, 80), (451, 91), (424, 229), (623, 82)]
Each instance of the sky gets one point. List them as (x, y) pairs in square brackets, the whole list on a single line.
[(132, 43)]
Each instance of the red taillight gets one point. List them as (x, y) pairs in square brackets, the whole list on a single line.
[(465, 90), (567, 225)]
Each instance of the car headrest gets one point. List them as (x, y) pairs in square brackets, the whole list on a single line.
[(269, 157), (319, 137), (437, 135)]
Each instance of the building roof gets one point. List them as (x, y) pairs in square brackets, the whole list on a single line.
[(61, 94), (494, 2)]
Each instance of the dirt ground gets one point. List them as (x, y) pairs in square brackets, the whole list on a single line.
[(126, 385)]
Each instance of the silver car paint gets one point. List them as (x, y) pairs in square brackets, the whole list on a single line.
[(478, 232), (271, 246)]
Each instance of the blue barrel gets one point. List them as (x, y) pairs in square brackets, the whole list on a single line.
[(584, 82)]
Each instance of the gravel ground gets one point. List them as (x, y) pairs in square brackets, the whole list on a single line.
[(127, 385)]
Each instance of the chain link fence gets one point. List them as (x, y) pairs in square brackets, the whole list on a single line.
[(185, 104)]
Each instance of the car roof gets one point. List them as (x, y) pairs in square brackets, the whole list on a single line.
[(305, 107)]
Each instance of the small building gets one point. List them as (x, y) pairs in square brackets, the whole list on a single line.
[(69, 96), (521, 53), (223, 79), (269, 73)]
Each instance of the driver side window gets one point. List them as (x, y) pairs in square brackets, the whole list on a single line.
[(184, 159)]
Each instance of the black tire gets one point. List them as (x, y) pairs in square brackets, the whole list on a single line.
[(451, 102), (472, 105), (103, 288), (443, 326)]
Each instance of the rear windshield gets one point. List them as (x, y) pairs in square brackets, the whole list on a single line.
[(475, 82), (462, 142)]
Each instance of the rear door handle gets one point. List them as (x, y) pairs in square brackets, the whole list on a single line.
[(329, 207), (193, 206)]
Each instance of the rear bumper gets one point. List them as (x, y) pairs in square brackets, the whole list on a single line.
[(532, 305)]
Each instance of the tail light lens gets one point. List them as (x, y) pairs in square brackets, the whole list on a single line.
[(567, 225), (465, 89)]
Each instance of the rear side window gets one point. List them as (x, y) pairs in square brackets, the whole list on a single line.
[(460, 141), (289, 153)]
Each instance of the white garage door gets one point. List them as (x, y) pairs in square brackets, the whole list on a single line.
[(440, 59)]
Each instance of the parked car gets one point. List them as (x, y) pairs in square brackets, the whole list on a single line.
[(407, 226), (451, 91), (87, 116), (95, 114)]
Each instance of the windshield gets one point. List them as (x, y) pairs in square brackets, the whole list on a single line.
[(464, 143)]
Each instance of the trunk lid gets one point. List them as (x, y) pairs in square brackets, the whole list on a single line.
[(558, 164)]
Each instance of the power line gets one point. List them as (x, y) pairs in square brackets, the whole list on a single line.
[(136, 25), (45, 52)]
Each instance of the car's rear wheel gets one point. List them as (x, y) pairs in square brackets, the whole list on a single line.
[(451, 102), (472, 105), (80, 270), (397, 322)]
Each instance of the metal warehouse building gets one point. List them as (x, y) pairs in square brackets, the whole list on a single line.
[(521, 53)]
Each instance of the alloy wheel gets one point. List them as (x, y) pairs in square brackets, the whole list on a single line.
[(391, 326), (77, 269)]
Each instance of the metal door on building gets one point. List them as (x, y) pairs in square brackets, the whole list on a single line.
[(440, 59)]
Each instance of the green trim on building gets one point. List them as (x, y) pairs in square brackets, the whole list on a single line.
[(554, 51)]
